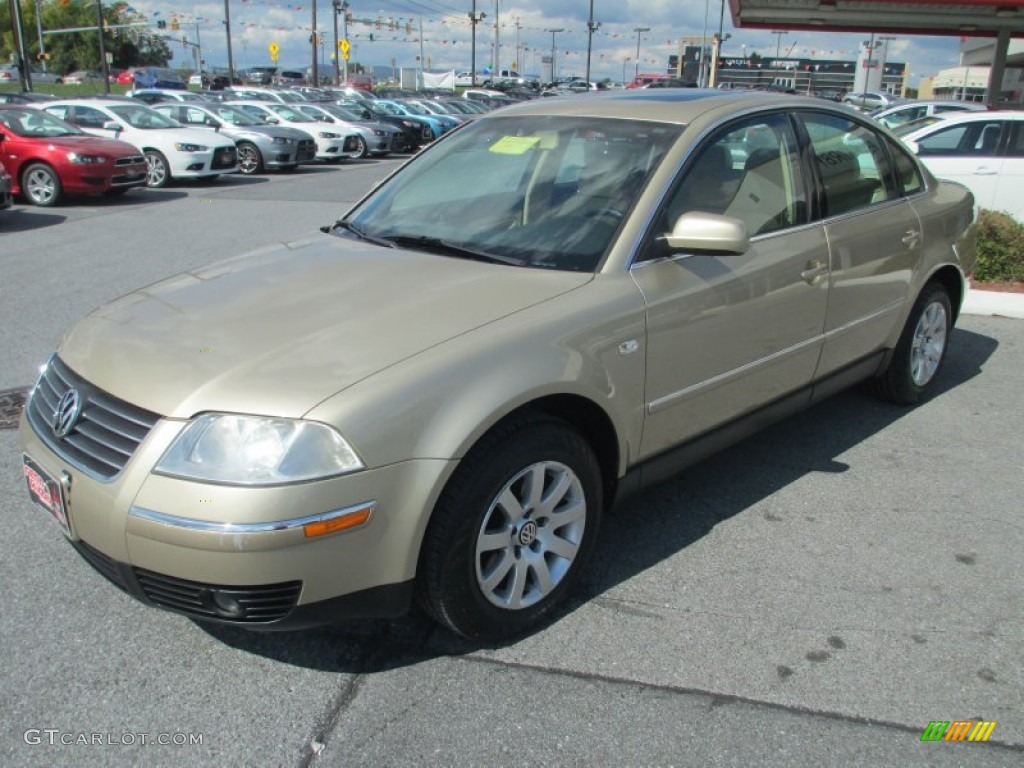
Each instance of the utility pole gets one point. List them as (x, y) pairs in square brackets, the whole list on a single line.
[(474, 19), (313, 40), (344, 28), (519, 55), (227, 27), (24, 68), (103, 49), (199, 51)]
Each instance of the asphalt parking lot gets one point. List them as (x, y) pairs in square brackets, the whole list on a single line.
[(814, 596)]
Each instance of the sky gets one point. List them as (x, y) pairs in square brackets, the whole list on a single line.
[(255, 24)]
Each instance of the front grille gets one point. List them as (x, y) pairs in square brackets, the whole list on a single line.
[(223, 158), (306, 150), (133, 160), (135, 177), (398, 143), (267, 602), (107, 432)]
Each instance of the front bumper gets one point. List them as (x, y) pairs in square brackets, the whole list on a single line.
[(212, 539), (212, 162), (277, 156)]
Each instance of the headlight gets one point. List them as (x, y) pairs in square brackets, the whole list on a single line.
[(76, 157), (283, 140), (325, 135), (189, 147), (410, 124), (257, 450)]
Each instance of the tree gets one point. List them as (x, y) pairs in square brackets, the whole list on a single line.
[(130, 47)]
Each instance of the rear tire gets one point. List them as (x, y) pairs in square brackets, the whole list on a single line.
[(921, 349), (512, 530)]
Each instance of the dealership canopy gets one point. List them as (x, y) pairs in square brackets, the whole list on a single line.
[(1002, 19)]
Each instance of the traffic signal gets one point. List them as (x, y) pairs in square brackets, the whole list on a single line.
[(161, 24)]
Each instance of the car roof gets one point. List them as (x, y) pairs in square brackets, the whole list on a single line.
[(946, 119), (671, 105), (961, 105)]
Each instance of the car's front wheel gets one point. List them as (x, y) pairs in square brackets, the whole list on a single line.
[(158, 173), (41, 185), (364, 148), (512, 529), (250, 160), (921, 348)]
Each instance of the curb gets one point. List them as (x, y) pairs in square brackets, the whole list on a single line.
[(998, 303)]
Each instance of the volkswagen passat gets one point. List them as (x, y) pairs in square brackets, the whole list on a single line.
[(172, 151), (437, 400)]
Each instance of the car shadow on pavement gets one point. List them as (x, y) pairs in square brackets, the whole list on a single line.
[(654, 525), (141, 195), (27, 219)]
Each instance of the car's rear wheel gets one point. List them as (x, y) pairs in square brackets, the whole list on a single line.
[(41, 185), (250, 160), (158, 173), (512, 529), (921, 349)]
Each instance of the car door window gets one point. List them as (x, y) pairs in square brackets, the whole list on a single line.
[(194, 116), (852, 163), (907, 172), (977, 138), (1015, 148), (750, 171), (87, 117)]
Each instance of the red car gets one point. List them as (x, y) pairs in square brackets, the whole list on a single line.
[(5, 188), (48, 157), (126, 78)]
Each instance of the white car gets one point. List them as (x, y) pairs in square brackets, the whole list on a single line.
[(984, 151), (334, 143), (901, 114), (172, 151)]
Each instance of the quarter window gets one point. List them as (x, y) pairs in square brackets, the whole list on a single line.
[(976, 138)]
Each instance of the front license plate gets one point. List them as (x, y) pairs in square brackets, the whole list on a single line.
[(46, 492)]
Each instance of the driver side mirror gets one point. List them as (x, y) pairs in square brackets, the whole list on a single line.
[(697, 232), (112, 125)]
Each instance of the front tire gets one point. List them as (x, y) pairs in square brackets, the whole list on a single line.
[(158, 173), (512, 530), (921, 349), (250, 160), (364, 148), (41, 185)]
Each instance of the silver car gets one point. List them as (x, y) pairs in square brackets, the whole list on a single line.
[(375, 138), (260, 146), (553, 307)]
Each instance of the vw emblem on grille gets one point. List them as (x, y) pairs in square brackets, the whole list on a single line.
[(65, 415)]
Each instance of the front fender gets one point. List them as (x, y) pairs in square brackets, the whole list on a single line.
[(437, 404)]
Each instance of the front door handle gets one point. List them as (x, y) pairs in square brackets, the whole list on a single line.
[(912, 238), (815, 269)]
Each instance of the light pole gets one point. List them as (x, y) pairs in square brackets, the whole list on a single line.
[(553, 33), (103, 48), (227, 28), (591, 26), (340, 6), (639, 31), (474, 19)]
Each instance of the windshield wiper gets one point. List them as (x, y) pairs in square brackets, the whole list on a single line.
[(357, 231), (437, 245)]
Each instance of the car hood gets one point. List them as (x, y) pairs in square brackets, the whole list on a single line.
[(280, 330), (113, 147), (274, 131)]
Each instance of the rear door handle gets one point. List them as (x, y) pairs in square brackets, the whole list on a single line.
[(912, 238), (984, 170), (815, 269)]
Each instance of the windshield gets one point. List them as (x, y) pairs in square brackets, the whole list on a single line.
[(32, 123), (539, 191), (415, 109), (233, 115), (383, 108), (290, 113), (144, 118)]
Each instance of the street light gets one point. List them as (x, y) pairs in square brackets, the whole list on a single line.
[(474, 19), (778, 46), (553, 33), (639, 31), (591, 26), (227, 28)]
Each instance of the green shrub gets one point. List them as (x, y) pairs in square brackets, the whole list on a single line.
[(1000, 248)]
